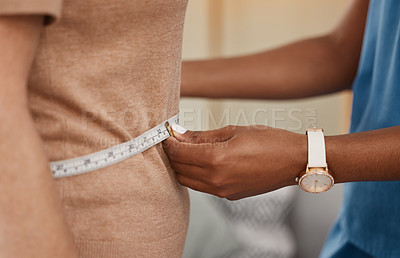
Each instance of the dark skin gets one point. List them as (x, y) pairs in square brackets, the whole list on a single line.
[(237, 162), (310, 67)]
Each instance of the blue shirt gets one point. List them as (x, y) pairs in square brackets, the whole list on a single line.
[(370, 214)]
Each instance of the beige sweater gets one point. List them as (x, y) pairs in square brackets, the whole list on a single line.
[(104, 73)]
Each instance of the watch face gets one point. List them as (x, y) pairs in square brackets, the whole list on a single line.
[(316, 182)]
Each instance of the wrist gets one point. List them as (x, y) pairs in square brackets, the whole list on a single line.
[(317, 177), (335, 154), (299, 157)]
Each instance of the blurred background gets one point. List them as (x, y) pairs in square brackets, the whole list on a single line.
[(290, 222)]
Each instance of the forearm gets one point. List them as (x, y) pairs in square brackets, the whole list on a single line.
[(307, 68), (236, 162), (367, 156), (31, 218)]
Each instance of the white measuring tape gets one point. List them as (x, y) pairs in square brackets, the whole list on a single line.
[(117, 153)]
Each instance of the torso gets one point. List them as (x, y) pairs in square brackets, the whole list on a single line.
[(107, 72)]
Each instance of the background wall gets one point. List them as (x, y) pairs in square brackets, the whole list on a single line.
[(236, 27)]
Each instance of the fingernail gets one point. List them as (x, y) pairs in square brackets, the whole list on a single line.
[(179, 129)]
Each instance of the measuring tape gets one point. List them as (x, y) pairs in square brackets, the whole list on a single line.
[(115, 154)]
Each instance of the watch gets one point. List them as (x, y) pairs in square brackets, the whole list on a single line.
[(316, 178)]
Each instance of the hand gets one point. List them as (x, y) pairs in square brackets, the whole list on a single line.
[(235, 162)]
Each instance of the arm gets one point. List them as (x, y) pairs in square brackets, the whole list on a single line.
[(31, 218), (238, 162), (307, 68)]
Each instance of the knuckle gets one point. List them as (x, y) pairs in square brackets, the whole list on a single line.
[(213, 161), (217, 159), (217, 181), (181, 180), (233, 198), (221, 193), (194, 136), (230, 128)]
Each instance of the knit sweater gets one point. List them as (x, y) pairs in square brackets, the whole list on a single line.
[(104, 73)]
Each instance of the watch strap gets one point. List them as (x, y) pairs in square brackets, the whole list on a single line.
[(316, 148)]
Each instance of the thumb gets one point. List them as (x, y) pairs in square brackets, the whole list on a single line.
[(212, 136)]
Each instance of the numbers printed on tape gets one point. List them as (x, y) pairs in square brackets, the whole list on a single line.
[(114, 154)]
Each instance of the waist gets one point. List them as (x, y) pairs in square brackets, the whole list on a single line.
[(114, 154), (67, 135)]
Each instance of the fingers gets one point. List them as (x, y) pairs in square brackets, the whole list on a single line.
[(200, 186), (177, 128), (184, 152), (191, 171), (196, 178), (201, 154), (255, 190), (241, 195), (195, 184), (211, 136)]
